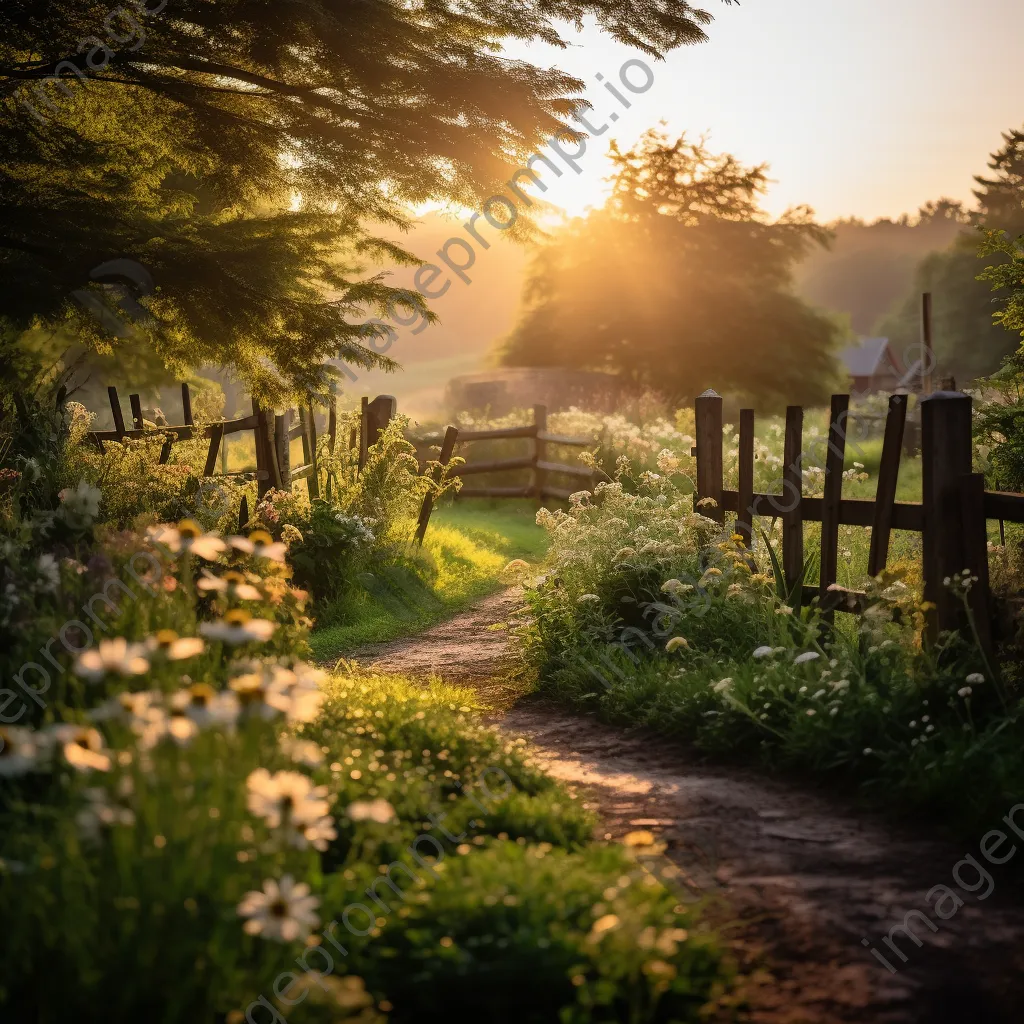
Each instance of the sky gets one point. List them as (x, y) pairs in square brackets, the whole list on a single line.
[(862, 109)]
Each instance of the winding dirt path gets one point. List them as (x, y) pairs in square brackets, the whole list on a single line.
[(796, 881)]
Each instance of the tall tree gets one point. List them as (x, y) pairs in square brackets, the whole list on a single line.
[(968, 343), (243, 150), (680, 283)]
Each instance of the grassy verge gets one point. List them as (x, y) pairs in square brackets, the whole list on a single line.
[(460, 878), (651, 615), (467, 546)]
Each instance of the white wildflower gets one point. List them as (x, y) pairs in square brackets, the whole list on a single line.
[(378, 810), (238, 627), (302, 751), (81, 745), (285, 798), (49, 572), (112, 656), (284, 911)]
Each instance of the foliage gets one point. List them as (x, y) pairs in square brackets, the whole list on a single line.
[(239, 153), (653, 615), (681, 283), (968, 341), (869, 267), (141, 824), (364, 521)]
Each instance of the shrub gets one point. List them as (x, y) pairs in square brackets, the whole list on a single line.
[(657, 616), (154, 827)]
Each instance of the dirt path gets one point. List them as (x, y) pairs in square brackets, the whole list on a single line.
[(796, 881)]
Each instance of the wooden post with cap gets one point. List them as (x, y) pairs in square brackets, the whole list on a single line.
[(708, 422)]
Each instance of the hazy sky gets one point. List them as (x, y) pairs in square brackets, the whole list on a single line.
[(868, 108)]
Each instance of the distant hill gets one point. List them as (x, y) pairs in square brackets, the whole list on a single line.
[(473, 317), (870, 267)]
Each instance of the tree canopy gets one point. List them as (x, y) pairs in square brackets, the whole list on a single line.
[(969, 341), (682, 282), (242, 152)]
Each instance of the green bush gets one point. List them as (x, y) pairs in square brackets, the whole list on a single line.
[(657, 616), (192, 768)]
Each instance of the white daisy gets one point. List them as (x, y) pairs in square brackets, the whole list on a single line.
[(260, 544), (283, 911), (378, 810), (174, 647), (285, 798), (317, 833), (205, 706), (81, 745), (238, 627), (302, 751), (189, 537), (231, 582), (112, 656)]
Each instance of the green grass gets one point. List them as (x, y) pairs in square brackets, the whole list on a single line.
[(462, 560), (508, 526)]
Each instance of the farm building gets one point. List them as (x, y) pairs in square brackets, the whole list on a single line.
[(873, 366)]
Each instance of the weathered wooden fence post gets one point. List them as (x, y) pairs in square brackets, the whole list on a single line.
[(451, 435), (379, 413), (745, 481), (540, 452), (282, 446), (710, 483), (267, 475), (364, 431), (945, 460), (833, 495), (115, 410), (791, 504), (332, 418), (136, 403), (888, 477)]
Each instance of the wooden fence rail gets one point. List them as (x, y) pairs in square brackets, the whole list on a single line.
[(540, 466), (952, 517)]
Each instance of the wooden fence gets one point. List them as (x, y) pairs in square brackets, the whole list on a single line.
[(259, 422), (952, 517), (537, 462)]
